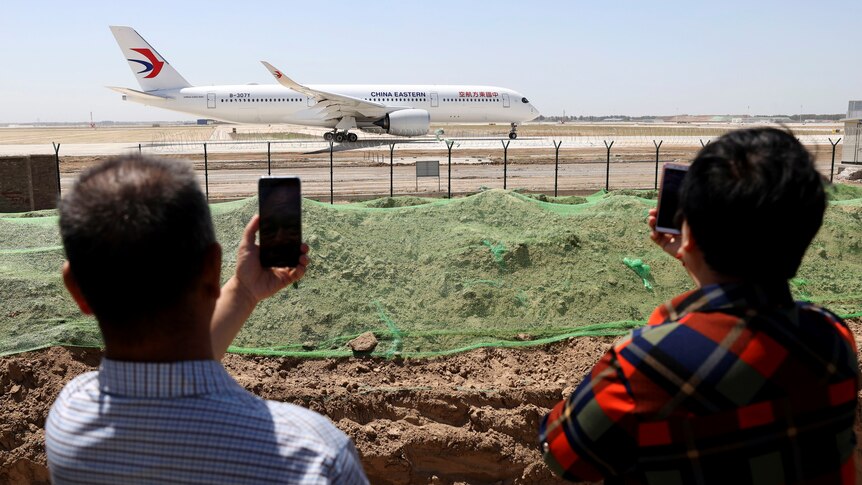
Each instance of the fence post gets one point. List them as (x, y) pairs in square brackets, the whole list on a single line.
[(139, 148), (449, 144), (206, 173), (57, 161), (657, 148), (556, 163), (268, 159), (505, 160), (331, 176), (608, 166), (702, 144), (831, 170), (391, 169)]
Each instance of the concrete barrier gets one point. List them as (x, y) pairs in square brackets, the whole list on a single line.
[(28, 183)]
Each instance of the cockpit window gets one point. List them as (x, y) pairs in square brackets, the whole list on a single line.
[(524, 100)]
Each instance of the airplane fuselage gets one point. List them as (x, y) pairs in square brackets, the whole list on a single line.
[(277, 104)]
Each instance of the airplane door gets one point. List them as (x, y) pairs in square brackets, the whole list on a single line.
[(311, 101), (434, 101), (505, 100), (211, 100)]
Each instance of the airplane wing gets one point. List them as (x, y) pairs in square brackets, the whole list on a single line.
[(334, 105)]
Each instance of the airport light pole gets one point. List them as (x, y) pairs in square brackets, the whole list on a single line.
[(608, 166), (505, 160), (206, 173), (657, 148), (557, 160), (391, 169), (449, 144), (831, 170)]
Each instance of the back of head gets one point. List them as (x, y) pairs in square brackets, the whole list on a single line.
[(136, 231), (754, 201)]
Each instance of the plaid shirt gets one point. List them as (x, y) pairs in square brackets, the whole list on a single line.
[(727, 384)]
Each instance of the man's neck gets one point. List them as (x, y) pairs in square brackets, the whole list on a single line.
[(184, 341), (158, 352), (706, 278)]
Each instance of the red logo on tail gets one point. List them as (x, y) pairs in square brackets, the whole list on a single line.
[(278, 74), (154, 67)]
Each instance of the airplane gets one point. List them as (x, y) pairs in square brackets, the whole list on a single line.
[(396, 109)]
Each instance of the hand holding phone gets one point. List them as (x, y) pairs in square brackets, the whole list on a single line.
[(280, 221), (667, 218)]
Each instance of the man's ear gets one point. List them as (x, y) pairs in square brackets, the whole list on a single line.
[(688, 241), (211, 277), (75, 290)]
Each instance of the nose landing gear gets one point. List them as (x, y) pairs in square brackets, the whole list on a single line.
[(514, 132)]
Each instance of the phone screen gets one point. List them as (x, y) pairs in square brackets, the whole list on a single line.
[(280, 221), (668, 198)]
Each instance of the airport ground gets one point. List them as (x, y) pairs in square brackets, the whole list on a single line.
[(235, 160), (468, 418)]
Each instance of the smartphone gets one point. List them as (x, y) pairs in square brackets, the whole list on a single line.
[(668, 198), (280, 221)]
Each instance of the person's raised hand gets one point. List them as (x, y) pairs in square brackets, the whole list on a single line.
[(259, 282), (670, 243)]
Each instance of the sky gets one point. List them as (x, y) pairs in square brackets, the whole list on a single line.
[(585, 57)]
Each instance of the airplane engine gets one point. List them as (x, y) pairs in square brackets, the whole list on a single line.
[(406, 122)]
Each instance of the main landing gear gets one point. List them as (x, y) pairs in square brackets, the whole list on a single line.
[(340, 136), (514, 133)]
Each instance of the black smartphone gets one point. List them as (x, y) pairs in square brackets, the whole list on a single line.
[(280, 221), (668, 198)]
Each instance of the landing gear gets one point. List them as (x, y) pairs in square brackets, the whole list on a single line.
[(340, 136), (514, 133)]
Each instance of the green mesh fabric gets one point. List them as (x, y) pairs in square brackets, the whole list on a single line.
[(641, 269), (433, 277)]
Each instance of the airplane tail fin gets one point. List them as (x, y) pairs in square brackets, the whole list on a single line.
[(150, 68)]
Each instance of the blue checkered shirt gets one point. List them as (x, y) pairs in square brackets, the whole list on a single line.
[(188, 422)]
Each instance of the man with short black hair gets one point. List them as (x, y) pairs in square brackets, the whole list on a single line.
[(732, 382), (143, 258)]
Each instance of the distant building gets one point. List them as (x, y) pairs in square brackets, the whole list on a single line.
[(768, 119), (851, 151)]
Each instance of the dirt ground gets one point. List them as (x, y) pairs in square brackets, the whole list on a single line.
[(469, 418)]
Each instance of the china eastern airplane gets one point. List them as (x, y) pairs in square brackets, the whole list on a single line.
[(396, 109)]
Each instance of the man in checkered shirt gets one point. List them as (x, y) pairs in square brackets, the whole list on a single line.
[(733, 382), (143, 258)]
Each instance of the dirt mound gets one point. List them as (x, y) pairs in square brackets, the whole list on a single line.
[(390, 202), (469, 418), (431, 278)]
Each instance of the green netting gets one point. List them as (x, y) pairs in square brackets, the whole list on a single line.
[(431, 277), (641, 269)]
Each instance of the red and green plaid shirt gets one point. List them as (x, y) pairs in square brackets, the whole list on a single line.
[(727, 384)]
